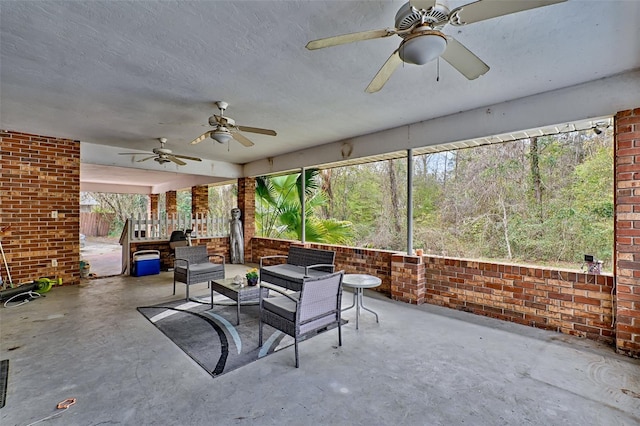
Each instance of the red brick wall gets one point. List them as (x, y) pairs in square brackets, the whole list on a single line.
[(569, 302), (268, 247), (627, 231), (40, 175), (214, 246), (363, 261)]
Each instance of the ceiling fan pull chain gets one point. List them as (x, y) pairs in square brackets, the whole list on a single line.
[(438, 69)]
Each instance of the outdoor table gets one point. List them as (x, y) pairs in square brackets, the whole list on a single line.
[(239, 292), (358, 282)]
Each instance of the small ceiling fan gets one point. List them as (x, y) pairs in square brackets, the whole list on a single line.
[(419, 24), (225, 129), (163, 155)]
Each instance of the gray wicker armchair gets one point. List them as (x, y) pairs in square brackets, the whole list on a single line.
[(193, 265), (306, 313)]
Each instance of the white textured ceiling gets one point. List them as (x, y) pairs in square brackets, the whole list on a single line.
[(124, 73)]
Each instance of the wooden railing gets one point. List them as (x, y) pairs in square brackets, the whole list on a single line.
[(160, 228)]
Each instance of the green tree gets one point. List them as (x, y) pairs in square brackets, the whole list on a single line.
[(546, 200), (123, 206), (183, 201), (278, 207), (222, 199)]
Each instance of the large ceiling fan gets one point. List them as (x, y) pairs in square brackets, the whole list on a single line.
[(163, 155), (225, 129), (419, 24)]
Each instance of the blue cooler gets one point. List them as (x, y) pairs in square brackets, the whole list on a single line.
[(146, 262)]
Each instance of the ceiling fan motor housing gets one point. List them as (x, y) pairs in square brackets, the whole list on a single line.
[(408, 17)]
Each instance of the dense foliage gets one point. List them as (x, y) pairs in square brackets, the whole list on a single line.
[(545, 200)]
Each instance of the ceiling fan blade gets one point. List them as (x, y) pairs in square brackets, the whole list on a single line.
[(176, 160), (349, 38), (463, 59), (487, 9), (423, 4), (201, 137), (243, 140), (257, 130), (145, 159), (186, 157), (385, 72)]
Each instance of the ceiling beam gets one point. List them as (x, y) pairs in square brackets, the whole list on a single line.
[(598, 98), (110, 156)]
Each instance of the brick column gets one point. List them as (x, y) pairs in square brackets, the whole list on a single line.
[(200, 206), (33, 186), (247, 205), (171, 204), (408, 282), (171, 207), (153, 205), (199, 200), (627, 231)]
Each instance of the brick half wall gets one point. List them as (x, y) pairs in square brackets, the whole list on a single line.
[(218, 245), (568, 302)]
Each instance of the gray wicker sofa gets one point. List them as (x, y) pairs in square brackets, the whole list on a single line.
[(301, 262)]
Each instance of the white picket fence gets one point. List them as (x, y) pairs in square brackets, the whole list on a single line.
[(160, 228)]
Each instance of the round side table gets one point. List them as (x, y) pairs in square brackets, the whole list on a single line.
[(358, 282)]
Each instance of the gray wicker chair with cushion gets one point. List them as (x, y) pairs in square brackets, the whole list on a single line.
[(304, 314), (301, 262), (193, 265)]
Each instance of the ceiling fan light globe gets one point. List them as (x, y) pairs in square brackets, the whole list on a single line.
[(221, 136), (422, 49)]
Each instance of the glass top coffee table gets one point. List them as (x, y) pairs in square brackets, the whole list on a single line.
[(237, 292)]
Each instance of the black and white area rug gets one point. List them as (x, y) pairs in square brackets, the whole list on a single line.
[(211, 336)]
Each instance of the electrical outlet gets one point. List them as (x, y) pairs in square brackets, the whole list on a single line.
[(54, 262), (54, 214)]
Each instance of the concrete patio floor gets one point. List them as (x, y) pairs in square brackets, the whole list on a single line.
[(104, 255), (421, 365)]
